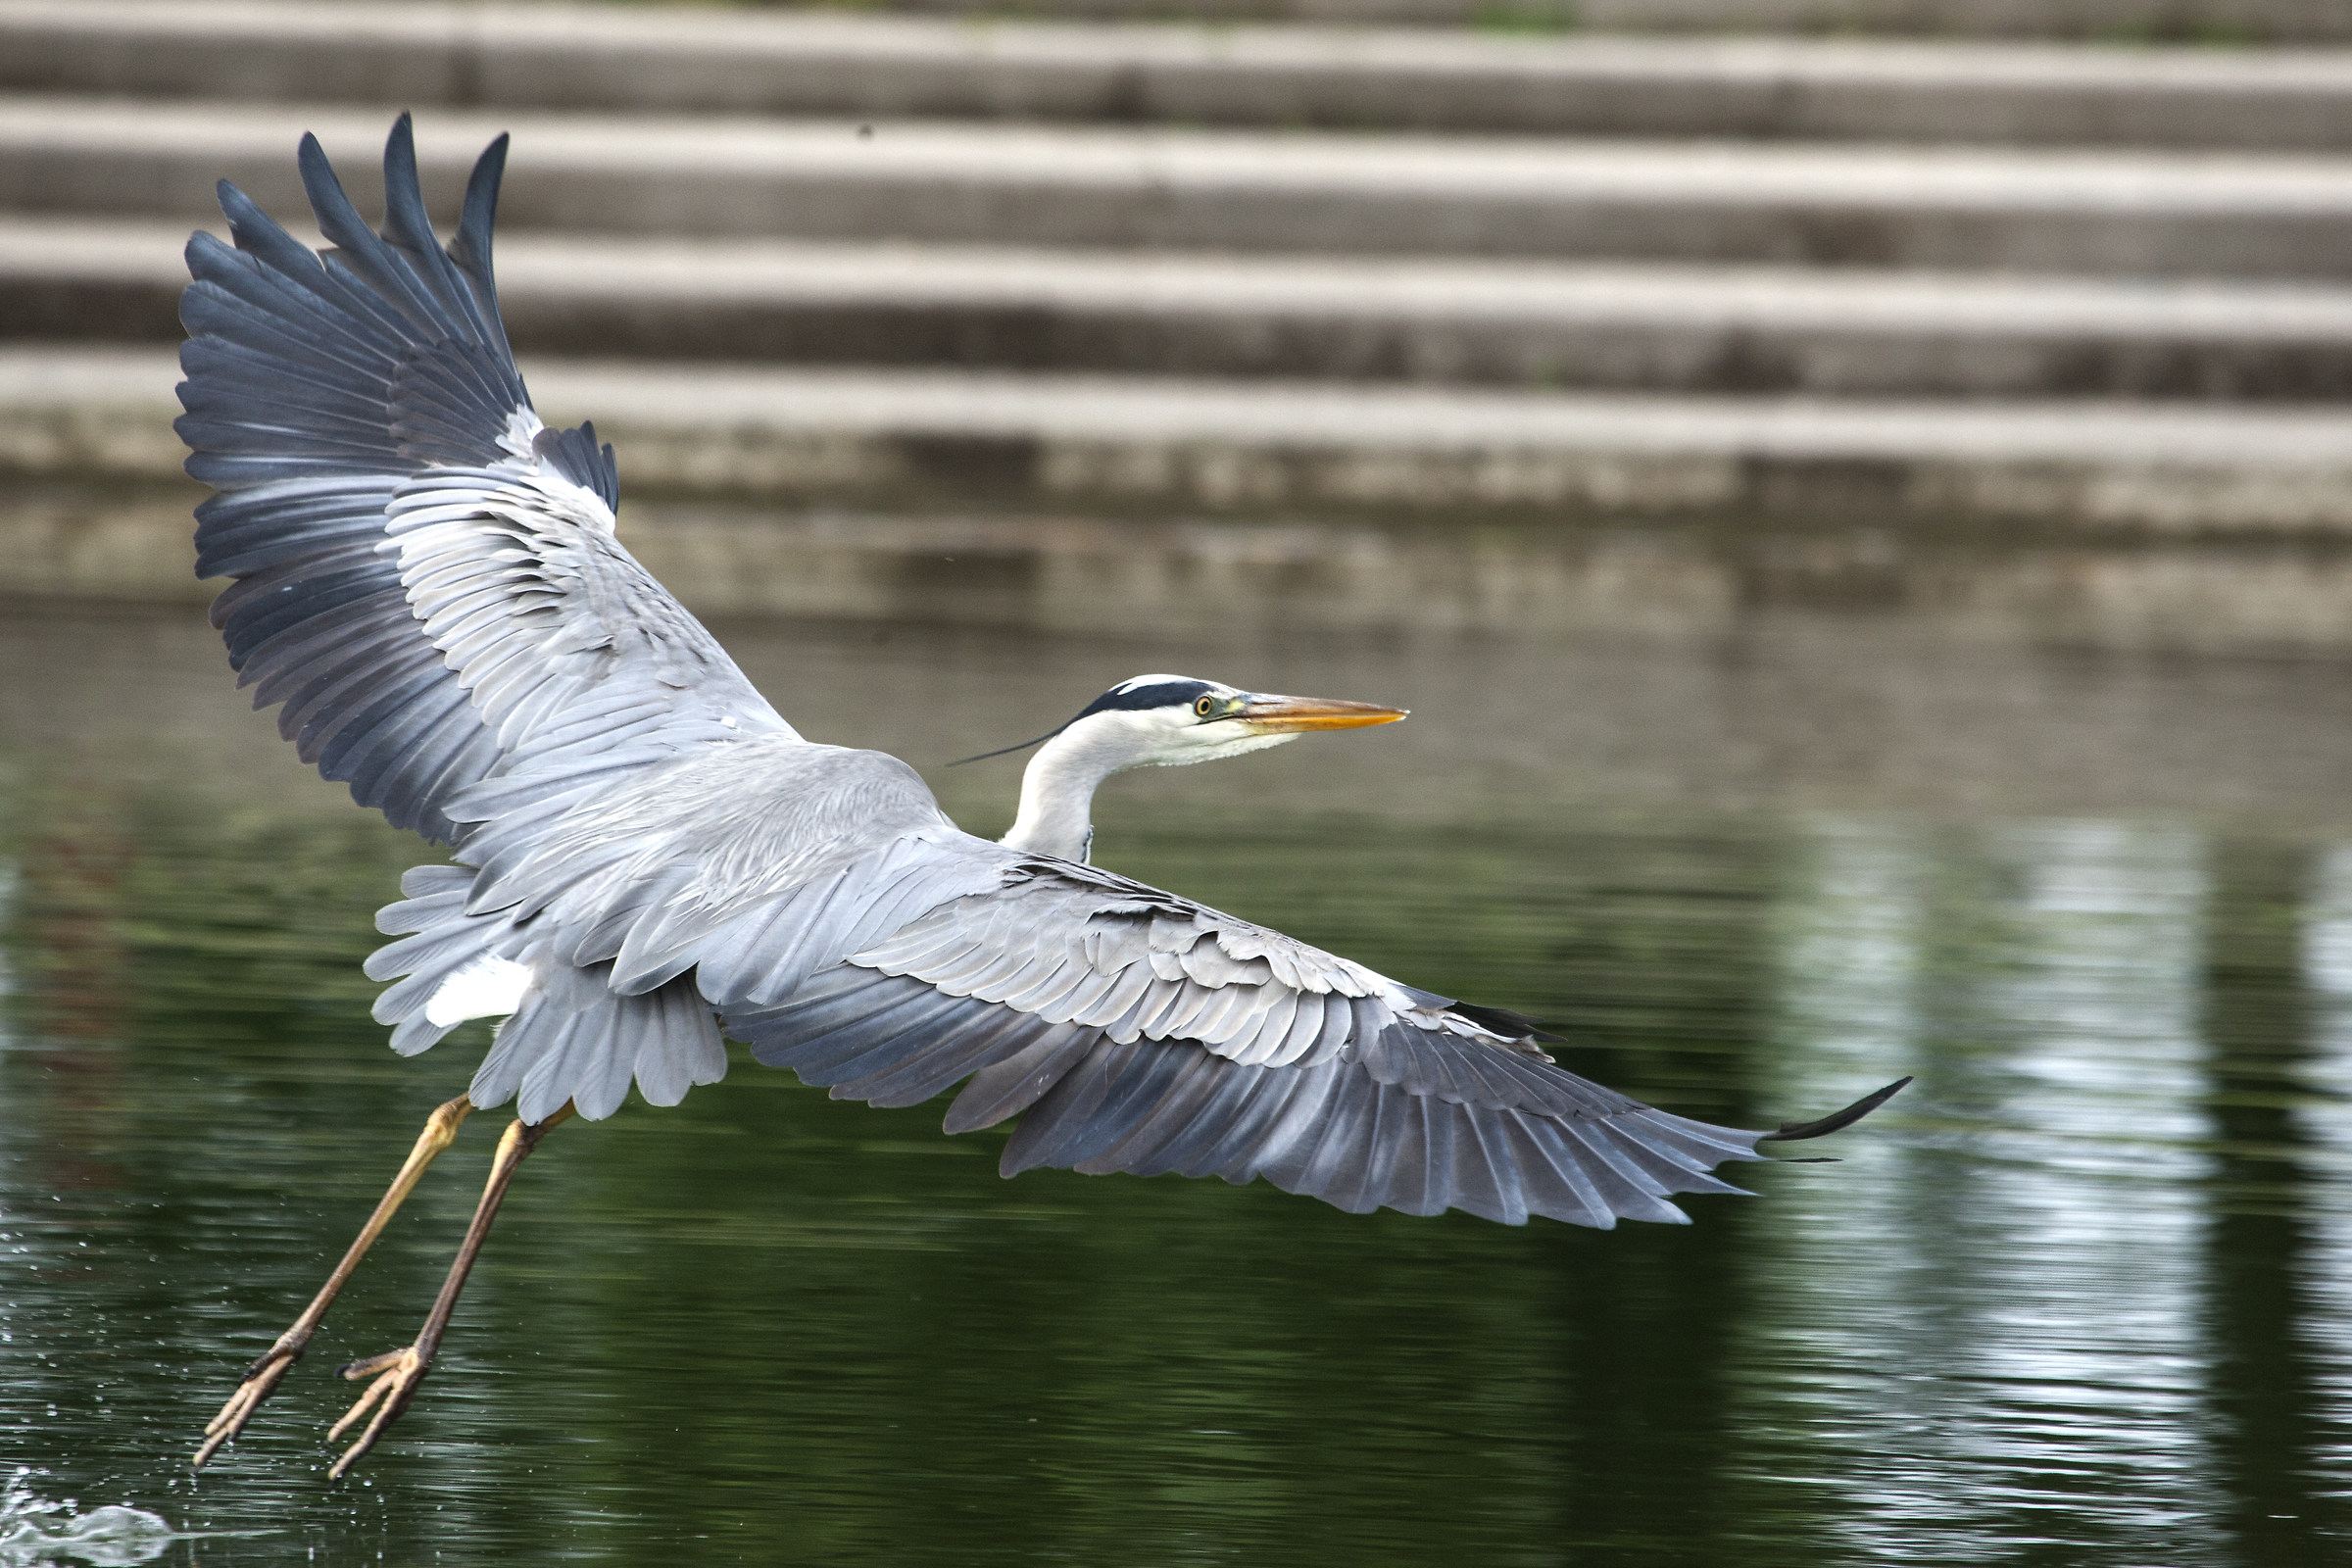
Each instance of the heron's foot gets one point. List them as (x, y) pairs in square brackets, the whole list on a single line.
[(261, 1380), (397, 1373)]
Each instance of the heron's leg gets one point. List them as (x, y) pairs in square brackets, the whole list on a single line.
[(398, 1372), (262, 1377)]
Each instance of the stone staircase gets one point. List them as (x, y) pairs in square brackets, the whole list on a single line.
[(1285, 269)]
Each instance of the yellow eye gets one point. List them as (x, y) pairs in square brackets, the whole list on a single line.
[(1205, 706)]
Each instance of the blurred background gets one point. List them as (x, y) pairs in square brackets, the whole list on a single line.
[(1858, 493)]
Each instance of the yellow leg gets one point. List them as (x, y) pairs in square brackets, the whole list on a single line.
[(261, 1379), (397, 1373)]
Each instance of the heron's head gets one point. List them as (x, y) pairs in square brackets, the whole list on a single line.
[(1171, 721)]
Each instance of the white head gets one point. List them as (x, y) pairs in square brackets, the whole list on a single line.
[(1157, 722)]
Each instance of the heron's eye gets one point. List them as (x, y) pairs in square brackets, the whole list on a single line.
[(1205, 706)]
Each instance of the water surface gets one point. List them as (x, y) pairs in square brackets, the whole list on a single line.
[(2083, 1296)]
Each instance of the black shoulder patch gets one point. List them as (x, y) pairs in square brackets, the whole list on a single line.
[(574, 455)]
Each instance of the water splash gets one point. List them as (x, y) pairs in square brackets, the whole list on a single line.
[(35, 1531)]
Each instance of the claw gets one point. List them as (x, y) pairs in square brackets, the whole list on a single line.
[(397, 1373), (261, 1380)]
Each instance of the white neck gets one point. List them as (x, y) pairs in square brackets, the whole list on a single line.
[(1058, 790)]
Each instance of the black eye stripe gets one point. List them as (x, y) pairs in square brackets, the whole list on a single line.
[(1165, 694), (1141, 699)]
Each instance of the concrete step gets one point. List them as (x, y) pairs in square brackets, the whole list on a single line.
[(1652, 328), (2108, 213), (2207, 21), (2198, 21), (1260, 448), (768, 62), (1869, 601)]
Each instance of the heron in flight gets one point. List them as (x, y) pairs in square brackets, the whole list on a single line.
[(648, 858)]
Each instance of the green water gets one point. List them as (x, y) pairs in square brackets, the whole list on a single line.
[(2083, 1296)]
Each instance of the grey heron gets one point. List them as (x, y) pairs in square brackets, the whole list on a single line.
[(647, 858), (1154, 721)]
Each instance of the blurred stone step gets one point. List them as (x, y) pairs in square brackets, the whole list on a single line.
[(1655, 328), (1872, 590), (779, 63), (1292, 449), (2146, 213), (2206, 22)]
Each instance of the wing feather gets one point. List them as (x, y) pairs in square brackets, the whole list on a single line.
[(1408, 1107), (415, 558)]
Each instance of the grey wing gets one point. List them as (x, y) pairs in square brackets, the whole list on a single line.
[(426, 577), (605, 926), (1133, 1031)]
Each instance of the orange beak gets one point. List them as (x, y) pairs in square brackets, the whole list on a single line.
[(1279, 715)]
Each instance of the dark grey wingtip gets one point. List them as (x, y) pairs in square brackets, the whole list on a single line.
[(479, 214), (330, 205), (470, 247), (490, 168), (309, 159), (403, 185), (242, 211), (1837, 1120)]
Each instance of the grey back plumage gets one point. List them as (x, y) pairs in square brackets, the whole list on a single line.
[(432, 584)]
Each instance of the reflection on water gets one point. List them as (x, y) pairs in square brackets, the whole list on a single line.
[(2031, 1299), (2083, 1296)]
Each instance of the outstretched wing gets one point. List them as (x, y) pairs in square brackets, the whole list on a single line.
[(1135, 1031), (426, 577)]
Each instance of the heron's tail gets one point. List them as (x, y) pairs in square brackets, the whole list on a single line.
[(564, 1033)]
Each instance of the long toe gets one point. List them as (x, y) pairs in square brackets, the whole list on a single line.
[(396, 1374), (260, 1382)]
